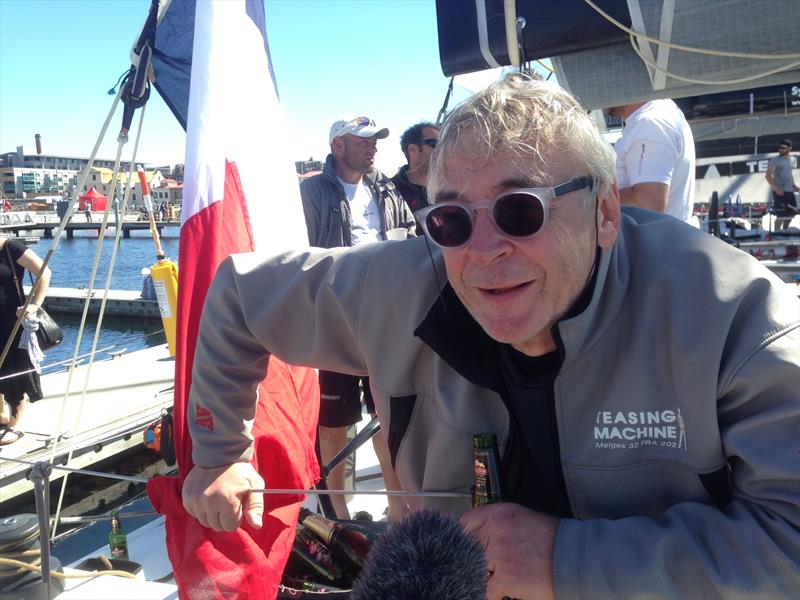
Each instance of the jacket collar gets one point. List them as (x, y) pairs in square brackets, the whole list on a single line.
[(448, 327)]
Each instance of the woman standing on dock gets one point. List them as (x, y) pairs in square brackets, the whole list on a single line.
[(19, 381)]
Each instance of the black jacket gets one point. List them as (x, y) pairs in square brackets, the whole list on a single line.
[(415, 195)]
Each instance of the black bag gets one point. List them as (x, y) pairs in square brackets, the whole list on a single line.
[(49, 333)]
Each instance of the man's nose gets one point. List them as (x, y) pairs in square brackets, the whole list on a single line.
[(487, 242)]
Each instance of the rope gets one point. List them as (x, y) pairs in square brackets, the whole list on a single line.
[(705, 51), (650, 63), (78, 358), (23, 566)]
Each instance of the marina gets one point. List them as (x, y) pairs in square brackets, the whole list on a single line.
[(79, 223), (97, 413), (94, 416)]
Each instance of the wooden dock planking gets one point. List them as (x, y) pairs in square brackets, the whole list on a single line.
[(123, 396)]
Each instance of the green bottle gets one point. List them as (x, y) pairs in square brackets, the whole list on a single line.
[(486, 470), (117, 540)]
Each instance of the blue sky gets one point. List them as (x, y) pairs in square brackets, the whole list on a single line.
[(332, 58)]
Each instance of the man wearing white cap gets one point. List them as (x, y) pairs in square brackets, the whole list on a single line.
[(348, 204)]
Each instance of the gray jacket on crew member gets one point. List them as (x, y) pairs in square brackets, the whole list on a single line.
[(683, 367), (327, 210)]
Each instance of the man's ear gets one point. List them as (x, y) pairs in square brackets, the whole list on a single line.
[(608, 215), (413, 155), (336, 146)]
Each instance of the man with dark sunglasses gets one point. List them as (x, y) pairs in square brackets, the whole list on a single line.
[(641, 376), (417, 144)]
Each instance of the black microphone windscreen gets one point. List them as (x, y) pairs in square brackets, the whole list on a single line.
[(427, 556)]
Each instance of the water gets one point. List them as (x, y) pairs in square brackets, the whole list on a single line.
[(71, 266), (72, 261)]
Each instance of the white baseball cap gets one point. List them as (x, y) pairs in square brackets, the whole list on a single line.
[(360, 126)]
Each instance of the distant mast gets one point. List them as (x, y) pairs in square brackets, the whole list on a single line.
[(38, 144)]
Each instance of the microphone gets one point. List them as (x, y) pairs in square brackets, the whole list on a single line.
[(427, 556)]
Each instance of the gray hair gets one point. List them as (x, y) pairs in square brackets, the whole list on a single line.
[(531, 122)]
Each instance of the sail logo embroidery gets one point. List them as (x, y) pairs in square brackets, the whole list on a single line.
[(627, 430), (203, 418)]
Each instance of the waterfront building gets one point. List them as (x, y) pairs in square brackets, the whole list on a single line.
[(27, 175)]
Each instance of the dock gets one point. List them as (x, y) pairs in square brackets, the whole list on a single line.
[(123, 396), (120, 303), (73, 226)]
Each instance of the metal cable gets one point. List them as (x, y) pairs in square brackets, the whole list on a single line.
[(101, 313)]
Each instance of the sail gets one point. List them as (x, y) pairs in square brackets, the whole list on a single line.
[(212, 67), (684, 49)]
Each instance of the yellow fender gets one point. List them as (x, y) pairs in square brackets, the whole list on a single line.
[(165, 282)]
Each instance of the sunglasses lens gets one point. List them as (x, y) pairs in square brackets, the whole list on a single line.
[(449, 226), (519, 214)]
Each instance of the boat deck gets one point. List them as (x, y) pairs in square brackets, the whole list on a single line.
[(124, 394)]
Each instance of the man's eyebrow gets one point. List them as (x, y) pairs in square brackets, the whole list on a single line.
[(447, 196), (499, 188), (517, 182)]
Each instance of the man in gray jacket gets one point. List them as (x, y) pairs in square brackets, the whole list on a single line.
[(348, 204), (641, 376)]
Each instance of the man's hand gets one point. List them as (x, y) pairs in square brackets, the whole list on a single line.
[(519, 550), (218, 497)]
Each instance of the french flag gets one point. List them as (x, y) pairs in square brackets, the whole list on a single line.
[(212, 67)]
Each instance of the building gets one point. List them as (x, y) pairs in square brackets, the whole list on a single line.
[(28, 175), (29, 160), (29, 182), (304, 166), (101, 179), (169, 172), (169, 191)]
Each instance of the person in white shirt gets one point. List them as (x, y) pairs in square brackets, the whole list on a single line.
[(352, 203), (655, 158)]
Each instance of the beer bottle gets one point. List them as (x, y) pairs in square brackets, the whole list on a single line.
[(349, 543), (486, 470), (371, 529), (310, 556), (305, 585), (117, 540)]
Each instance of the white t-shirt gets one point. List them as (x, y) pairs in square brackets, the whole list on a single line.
[(364, 218), (657, 146)]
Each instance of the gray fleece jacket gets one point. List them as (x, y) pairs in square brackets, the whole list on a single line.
[(685, 367)]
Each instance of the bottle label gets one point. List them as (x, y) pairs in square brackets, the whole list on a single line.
[(119, 551), (320, 525), (486, 477)]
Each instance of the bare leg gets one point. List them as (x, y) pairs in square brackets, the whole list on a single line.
[(5, 413), (397, 506), (17, 417), (331, 440)]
